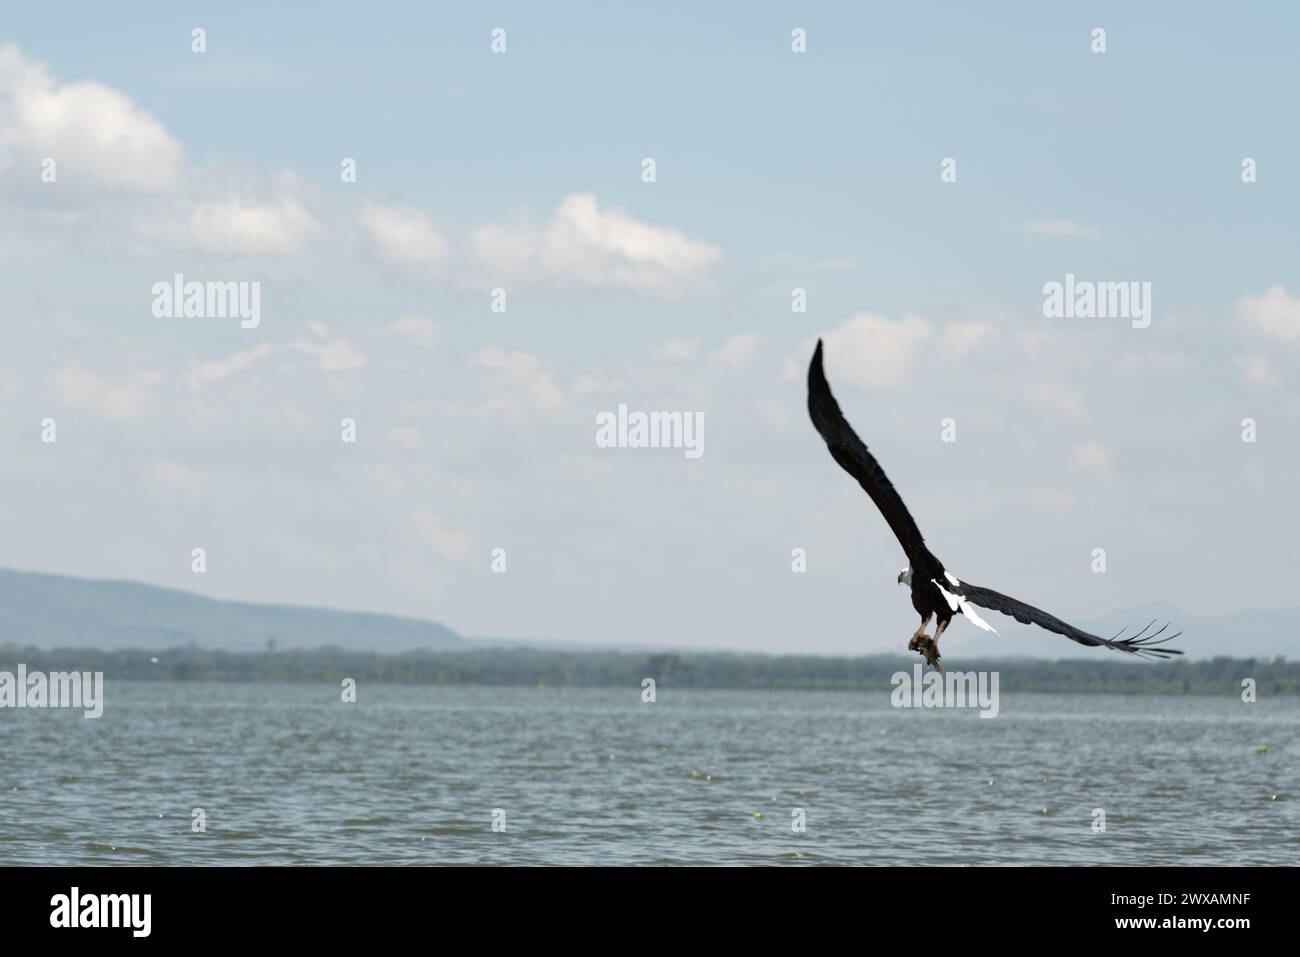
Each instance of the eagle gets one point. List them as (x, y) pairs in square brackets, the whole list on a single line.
[(937, 593)]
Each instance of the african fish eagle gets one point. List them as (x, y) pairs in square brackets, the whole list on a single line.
[(936, 592)]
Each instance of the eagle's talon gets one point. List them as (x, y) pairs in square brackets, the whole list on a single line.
[(928, 649)]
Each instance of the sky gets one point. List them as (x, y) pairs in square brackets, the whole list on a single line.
[(921, 172)]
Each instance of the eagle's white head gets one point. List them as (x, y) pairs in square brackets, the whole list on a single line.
[(905, 576)]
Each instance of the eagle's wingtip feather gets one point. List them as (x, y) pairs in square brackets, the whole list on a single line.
[(816, 373)]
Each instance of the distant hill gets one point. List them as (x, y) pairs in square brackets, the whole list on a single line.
[(51, 611)]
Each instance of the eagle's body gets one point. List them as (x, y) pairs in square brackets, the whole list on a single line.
[(929, 603), (936, 593)]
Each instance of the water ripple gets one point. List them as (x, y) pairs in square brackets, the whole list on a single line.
[(288, 774)]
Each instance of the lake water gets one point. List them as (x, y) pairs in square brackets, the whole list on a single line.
[(289, 774)]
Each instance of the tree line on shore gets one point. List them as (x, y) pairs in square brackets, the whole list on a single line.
[(518, 666)]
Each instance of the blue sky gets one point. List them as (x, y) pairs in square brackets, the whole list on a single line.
[(774, 170)]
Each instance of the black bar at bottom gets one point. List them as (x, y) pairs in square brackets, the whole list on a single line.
[(369, 905)]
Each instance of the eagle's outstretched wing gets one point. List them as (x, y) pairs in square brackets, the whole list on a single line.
[(851, 452), (1141, 644)]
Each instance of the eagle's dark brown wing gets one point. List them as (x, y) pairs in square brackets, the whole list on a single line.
[(851, 452), (1140, 644)]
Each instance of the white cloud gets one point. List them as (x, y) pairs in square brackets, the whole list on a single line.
[(1093, 457), (405, 237), (418, 329), (1057, 501), (873, 351), (1152, 359), (1256, 370), (520, 379), (679, 350), (290, 415), (1275, 313), (449, 544), (583, 245), (79, 388), (217, 369), (406, 436), (236, 226), (775, 413), (960, 337), (739, 351), (335, 356), (95, 134), (1058, 397), (587, 383), (174, 477), (392, 480), (1056, 228)]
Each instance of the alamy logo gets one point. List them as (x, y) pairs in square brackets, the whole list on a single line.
[(59, 689), (209, 300), (102, 910), (950, 689), (1085, 299), (651, 430)]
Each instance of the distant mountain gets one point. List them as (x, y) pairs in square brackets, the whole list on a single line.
[(56, 611)]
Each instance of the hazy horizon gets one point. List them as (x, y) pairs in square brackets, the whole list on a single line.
[(75, 620)]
